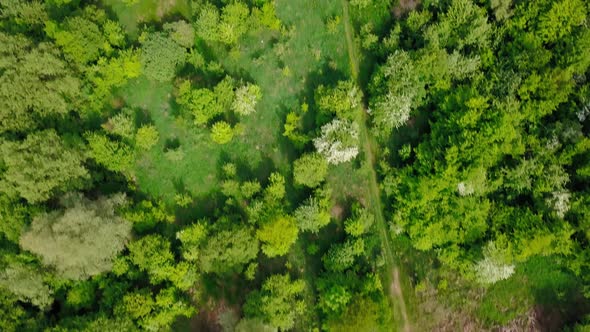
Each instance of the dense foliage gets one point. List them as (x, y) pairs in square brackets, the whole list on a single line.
[(274, 165)]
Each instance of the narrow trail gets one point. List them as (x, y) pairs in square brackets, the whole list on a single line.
[(368, 144)]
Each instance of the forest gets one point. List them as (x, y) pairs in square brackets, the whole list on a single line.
[(294, 165)]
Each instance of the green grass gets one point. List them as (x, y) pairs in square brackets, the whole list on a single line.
[(287, 66), (309, 52), (197, 172), (142, 11)]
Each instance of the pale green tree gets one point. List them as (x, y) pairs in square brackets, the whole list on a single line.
[(27, 284), (82, 240), (314, 213), (397, 90), (181, 32)]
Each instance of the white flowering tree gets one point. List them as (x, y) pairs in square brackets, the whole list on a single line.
[(338, 142), (559, 202), (397, 89), (246, 99), (494, 266)]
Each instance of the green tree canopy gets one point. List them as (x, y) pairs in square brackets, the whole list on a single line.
[(35, 83), (40, 166), (278, 303), (161, 57), (343, 100), (228, 250), (278, 235), (310, 170)]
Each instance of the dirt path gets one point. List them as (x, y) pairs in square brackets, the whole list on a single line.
[(368, 144), (397, 293)]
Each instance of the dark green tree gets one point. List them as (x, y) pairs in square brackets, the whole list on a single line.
[(40, 166)]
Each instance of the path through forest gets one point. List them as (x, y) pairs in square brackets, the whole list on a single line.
[(374, 199)]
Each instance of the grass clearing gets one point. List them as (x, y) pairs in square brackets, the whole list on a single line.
[(195, 167), (143, 11)]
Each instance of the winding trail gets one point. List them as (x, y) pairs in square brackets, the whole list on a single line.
[(368, 145)]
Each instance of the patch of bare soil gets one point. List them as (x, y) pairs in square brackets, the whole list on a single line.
[(164, 7), (208, 318), (337, 211), (405, 6)]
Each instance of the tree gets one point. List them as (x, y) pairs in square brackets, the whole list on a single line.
[(105, 75), (221, 132), (40, 166), (22, 12), (146, 137), (181, 32), (341, 255), (561, 19), (81, 295), (191, 238), (278, 235), (201, 103), (35, 84), (397, 90), (362, 314), (333, 298), (153, 313), (278, 302), (275, 191), (314, 214), (152, 254), (338, 142), (80, 38), (208, 23), (310, 170), (13, 217), (82, 240), (114, 155), (344, 100), (463, 26), (234, 23), (228, 250), (246, 99), (161, 57), (27, 284), (360, 222), (13, 317), (121, 124)]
